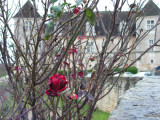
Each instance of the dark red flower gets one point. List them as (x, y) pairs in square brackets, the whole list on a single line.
[(80, 74), (76, 10), (57, 83)]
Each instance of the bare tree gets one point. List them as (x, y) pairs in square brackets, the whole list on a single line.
[(42, 46)]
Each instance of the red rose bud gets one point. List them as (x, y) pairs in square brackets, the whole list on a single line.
[(57, 83), (76, 10), (84, 1), (4, 97), (74, 76), (91, 58), (73, 97), (120, 54), (80, 73)]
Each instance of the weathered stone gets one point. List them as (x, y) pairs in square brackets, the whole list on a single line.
[(141, 102), (109, 102)]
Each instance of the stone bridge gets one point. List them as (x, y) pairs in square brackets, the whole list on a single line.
[(141, 102)]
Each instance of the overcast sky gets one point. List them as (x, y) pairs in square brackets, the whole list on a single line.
[(101, 4)]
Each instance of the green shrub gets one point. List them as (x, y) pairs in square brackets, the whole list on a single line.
[(133, 70), (118, 69)]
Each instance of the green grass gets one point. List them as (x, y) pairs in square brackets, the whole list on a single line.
[(99, 115), (2, 75)]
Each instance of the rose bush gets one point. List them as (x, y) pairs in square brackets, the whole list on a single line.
[(57, 83)]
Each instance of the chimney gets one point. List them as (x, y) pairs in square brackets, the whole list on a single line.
[(105, 8)]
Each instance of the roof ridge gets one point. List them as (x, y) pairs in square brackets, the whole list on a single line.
[(26, 11), (151, 8)]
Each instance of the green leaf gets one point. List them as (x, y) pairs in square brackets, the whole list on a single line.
[(49, 29), (51, 15), (91, 16), (47, 37), (65, 3), (57, 10), (78, 2), (53, 1), (74, 6)]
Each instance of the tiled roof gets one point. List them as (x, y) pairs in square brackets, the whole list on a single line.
[(27, 11), (106, 17), (151, 9)]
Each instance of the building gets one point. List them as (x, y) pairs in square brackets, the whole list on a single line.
[(152, 57), (25, 21)]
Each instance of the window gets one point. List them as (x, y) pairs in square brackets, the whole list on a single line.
[(90, 30), (122, 26), (28, 25), (150, 24), (151, 42), (90, 47), (103, 43)]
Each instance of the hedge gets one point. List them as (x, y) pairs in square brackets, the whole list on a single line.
[(132, 69)]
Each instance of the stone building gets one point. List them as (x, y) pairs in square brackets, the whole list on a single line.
[(152, 57), (28, 19), (26, 22)]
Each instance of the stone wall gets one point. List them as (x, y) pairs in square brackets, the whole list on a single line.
[(141, 102), (109, 102)]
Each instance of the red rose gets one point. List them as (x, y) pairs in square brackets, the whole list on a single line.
[(80, 74), (91, 58), (57, 83), (76, 10)]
